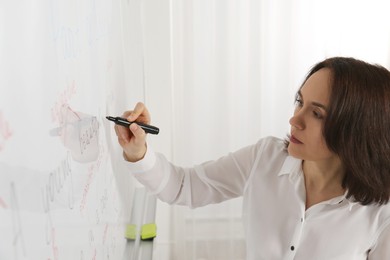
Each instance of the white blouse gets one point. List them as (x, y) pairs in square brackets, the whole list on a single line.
[(277, 226)]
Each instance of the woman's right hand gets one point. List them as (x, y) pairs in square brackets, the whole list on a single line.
[(133, 138)]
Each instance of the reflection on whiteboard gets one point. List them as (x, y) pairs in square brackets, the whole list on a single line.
[(78, 133)]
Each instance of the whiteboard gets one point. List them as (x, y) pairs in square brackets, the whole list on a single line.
[(65, 66)]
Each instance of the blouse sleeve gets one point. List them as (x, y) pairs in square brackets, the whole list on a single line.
[(207, 183), (382, 245)]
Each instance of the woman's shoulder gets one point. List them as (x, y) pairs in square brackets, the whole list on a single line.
[(272, 144), (378, 215), (383, 212), (271, 150), (379, 219)]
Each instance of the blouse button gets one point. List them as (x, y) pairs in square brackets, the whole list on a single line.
[(292, 248)]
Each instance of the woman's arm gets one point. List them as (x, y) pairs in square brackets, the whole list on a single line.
[(207, 183)]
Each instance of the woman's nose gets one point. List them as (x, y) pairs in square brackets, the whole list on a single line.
[(297, 122)]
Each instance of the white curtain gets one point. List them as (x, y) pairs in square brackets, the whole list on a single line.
[(235, 66)]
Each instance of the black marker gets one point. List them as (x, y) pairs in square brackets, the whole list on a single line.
[(123, 122)]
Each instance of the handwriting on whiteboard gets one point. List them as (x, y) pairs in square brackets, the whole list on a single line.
[(92, 171), (5, 131), (18, 237), (88, 136), (55, 184), (66, 37), (63, 99)]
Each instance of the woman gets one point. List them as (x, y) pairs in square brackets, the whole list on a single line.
[(321, 194)]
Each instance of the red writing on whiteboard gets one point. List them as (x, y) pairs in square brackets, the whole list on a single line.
[(105, 234), (63, 99), (94, 254), (2, 203), (5, 131), (91, 173), (92, 170), (54, 246)]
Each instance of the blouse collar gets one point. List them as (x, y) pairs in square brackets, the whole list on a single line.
[(293, 167)]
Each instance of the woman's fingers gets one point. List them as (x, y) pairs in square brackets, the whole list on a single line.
[(140, 114), (133, 138), (123, 134)]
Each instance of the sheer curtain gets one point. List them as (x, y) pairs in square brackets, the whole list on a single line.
[(235, 66)]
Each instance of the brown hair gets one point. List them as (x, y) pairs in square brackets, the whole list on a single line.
[(357, 126)]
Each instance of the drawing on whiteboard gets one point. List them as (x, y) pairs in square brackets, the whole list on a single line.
[(3, 204), (79, 133), (5, 131), (69, 197), (53, 243), (63, 99)]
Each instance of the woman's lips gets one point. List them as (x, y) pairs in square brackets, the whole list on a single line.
[(295, 140)]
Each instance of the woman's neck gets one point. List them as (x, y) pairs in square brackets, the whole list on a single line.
[(323, 180)]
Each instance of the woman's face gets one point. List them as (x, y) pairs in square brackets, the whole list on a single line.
[(307, 141)]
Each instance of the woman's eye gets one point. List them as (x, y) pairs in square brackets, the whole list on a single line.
[(298, 102), (318, 115)]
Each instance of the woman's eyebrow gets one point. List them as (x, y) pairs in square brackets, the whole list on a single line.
[(313, 103)]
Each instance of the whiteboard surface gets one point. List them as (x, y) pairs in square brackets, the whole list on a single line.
[(65, 65)]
